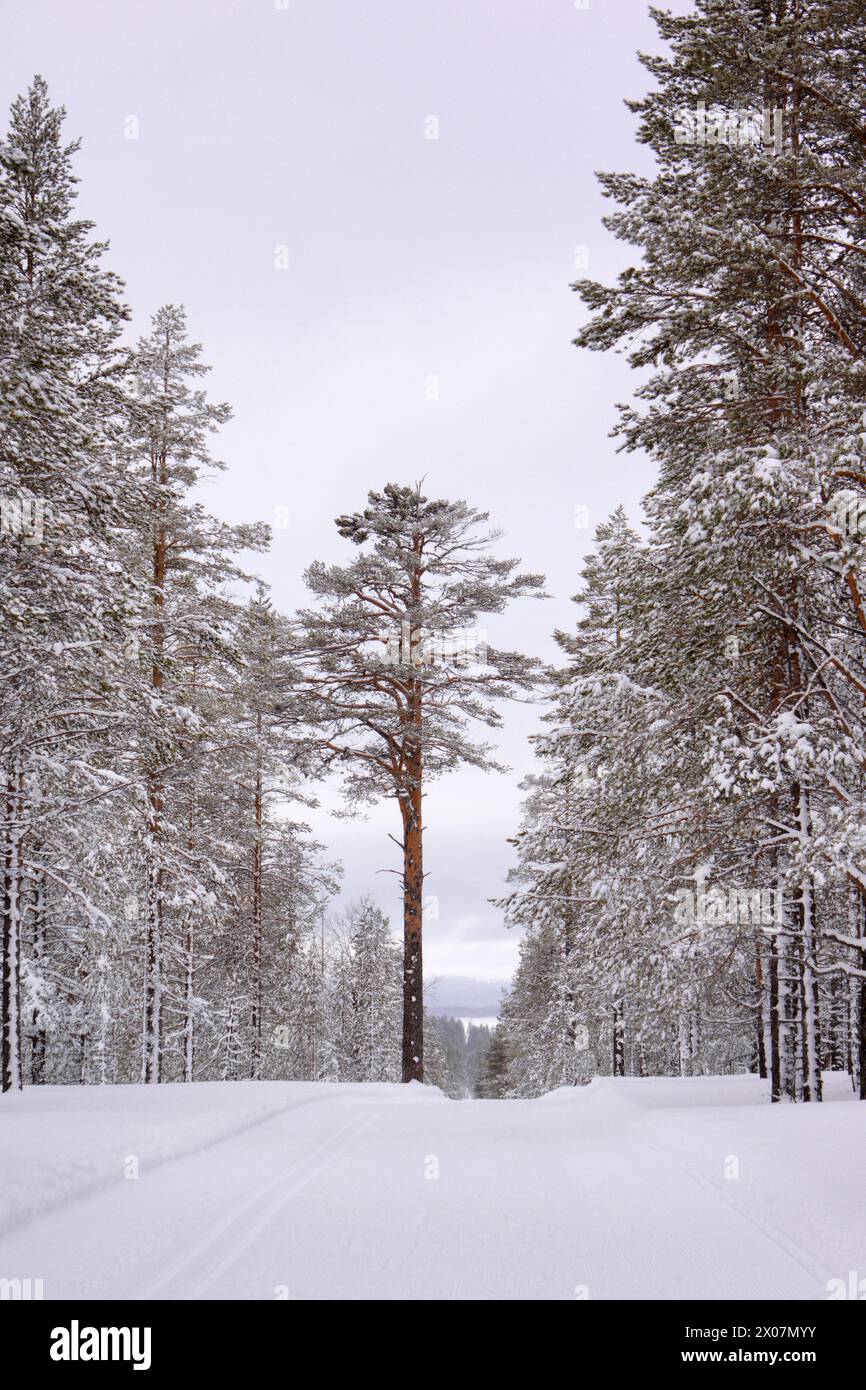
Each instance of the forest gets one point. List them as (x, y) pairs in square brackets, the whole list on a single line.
[(689, 873)]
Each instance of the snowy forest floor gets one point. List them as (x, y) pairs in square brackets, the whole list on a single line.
[(269, 1189)]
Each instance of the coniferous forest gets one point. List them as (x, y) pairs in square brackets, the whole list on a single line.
[(384, 918), (689, 871), (690, 864)]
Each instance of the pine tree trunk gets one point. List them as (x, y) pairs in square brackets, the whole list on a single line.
[(230, 1056), (188, 1002), (256, 1044), (787, 1063), (696, 1043), (189, 939), (618, 1040), (811, 1045), (152, 1032), (684, 1037), (413, 902), (859, 1039), (152, 1038), (413, 863), (39, 1044), (762, 1016), (852, 1048), (10, 1048), (775, 1028)]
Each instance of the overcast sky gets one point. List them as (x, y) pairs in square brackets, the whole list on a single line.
[(222, 138)]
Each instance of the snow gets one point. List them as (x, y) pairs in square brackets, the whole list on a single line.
[(262, 1190)]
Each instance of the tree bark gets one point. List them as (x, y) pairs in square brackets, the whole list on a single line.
[(775, 1031), (10, 1047), (151, 1071), (39, 1044), (152, 1030), (256, 1047), (859, 1027), (811, 1064), (618, 1041), (413, 903), (762, 1020), (189, 1001)]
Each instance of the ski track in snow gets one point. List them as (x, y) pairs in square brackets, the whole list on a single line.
[(616, 1189), (244, 1227), (783, 1243)]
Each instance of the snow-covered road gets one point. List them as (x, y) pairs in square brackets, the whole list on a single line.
[(628, 1189)]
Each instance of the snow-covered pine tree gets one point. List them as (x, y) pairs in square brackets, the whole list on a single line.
[(283, 883), (748, 307), (493, 1077), (64, 597), (392, 669), (144, 777), (367, 995), (612, 977), (188, 560)]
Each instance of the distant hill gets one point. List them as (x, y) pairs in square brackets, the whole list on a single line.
[(461, 996)]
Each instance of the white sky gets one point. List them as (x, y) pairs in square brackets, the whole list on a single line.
[(261, 127)]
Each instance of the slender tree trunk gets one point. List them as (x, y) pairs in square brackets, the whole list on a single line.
[(39, 1044), (230, 1056), (787, 1062), (617, 1040), (256, 1046), (38, 1037), (189, 937), (411, 797), (858, 1010), (775, 1028), (696, 1043), (811, 1046), (152, 1031), (762, 1017), (852, 1049), (153, 930), (684, 1033), (189, 1001), (413, 902), (10, 992)]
